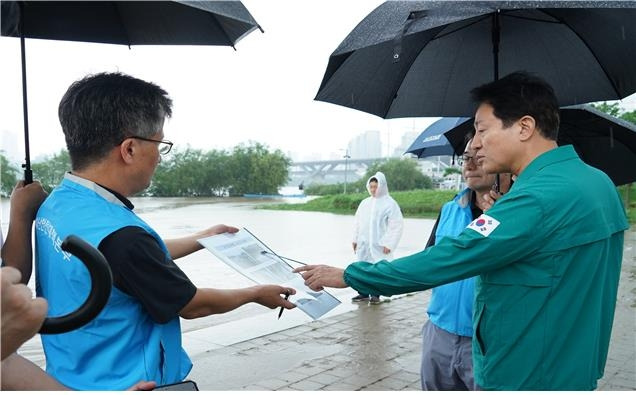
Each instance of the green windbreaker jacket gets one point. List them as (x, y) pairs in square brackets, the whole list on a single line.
[(548, 255)]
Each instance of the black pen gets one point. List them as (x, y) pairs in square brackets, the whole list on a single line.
[(282, 307)]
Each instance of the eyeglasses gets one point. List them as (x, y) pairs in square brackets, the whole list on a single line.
[(164, 145), (465, 159)]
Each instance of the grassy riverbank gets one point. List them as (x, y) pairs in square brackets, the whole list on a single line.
[(414, 204)]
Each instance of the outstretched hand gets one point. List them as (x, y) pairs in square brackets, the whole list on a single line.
[(183, 246), (217, 230), (319, 276), (273, 296)]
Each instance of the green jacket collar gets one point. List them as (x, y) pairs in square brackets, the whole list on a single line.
[(548, 158)]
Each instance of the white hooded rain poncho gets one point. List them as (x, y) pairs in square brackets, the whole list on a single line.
[(378, 224)]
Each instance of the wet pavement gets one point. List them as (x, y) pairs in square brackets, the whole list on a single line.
[(363, 347)]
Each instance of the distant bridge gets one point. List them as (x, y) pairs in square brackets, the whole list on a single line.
[(328, 171)]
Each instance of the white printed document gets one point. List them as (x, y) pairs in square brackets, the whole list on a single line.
[(252, 258)]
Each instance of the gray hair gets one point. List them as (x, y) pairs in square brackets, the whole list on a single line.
[(99, 111)]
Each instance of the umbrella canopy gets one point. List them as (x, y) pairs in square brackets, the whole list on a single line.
[(601, 140), (123, 22), (432, 142), (421, 58), (130, 22)]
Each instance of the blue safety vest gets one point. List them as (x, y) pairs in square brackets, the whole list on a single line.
[(451, 305), (122, 345)]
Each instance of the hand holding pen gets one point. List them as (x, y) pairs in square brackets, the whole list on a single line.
[(272, 296), (282, 308), (264, 252)]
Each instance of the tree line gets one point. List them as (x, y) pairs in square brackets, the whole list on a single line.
[(617, 111), (247, 168)]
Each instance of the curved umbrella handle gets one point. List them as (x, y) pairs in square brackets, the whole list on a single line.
[(101, 281)]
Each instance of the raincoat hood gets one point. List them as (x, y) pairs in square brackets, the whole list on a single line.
[(383, 189)]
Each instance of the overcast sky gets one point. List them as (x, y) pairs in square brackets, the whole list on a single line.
[(263, 91)]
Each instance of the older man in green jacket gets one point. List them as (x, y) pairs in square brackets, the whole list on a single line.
[(548, 253)]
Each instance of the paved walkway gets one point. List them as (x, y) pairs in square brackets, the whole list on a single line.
[(372, 347)]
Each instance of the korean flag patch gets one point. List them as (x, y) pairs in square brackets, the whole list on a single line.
[(484, 225)]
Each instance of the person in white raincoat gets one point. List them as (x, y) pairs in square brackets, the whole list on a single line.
[(378, 227)]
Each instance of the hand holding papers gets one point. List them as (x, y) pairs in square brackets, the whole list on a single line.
[(249, 256)]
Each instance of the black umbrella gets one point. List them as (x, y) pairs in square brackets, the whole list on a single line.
[(432, 142), (421, 58), (601, 140), (126, 23)]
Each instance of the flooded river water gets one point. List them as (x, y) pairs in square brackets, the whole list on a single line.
[(304, 236)]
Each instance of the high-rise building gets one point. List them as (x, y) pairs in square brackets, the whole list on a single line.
[(366, 145)]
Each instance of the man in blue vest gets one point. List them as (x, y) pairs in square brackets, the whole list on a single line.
[(113, 125), (447, 359), (23, 316), (548, 253)]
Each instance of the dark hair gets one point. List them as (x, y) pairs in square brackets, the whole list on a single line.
[(519, 94), (99, 111), (372, 179)]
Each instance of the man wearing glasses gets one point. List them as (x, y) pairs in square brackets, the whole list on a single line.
[(113, 125), (447, 362)]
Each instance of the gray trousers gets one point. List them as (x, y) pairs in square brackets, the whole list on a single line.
[(447, 360)]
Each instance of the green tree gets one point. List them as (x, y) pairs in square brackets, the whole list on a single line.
[(254, 169), (216, 173), (177, 175), (8, 175), (250, 168), (616, 111), (401, 175), (611, 109), (191, 172), (629, 116), (452, 170), (51, 170)]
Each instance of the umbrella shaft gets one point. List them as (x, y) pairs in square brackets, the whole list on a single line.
[(28, 174), (496, 35)]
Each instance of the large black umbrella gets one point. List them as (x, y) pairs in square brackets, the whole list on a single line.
[(601, 140), (126, 23), (421, 58)]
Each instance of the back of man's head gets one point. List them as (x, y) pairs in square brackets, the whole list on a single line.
[(519, 94), (99, 111)]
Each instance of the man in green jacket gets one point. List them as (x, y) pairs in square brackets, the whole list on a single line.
[(548, 253)]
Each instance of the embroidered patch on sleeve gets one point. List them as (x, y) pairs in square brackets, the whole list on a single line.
[(484, 225)]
